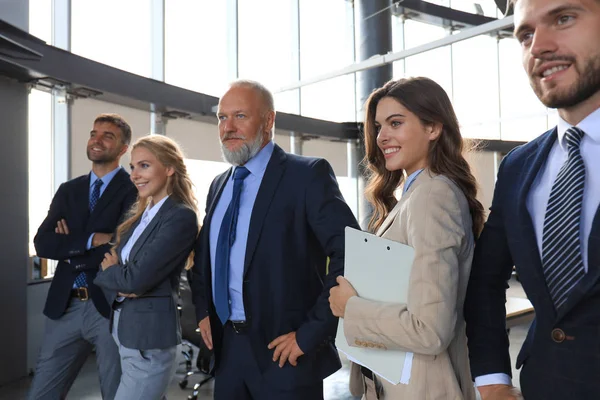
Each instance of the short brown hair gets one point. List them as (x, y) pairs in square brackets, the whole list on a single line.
[(119, 122)]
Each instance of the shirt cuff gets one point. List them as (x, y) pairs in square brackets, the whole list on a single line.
[(89, 242), (493, 379)]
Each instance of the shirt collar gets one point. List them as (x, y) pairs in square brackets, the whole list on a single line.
[(258, 164), (590, 125), (411, 178), (106, 178), (151, 211)]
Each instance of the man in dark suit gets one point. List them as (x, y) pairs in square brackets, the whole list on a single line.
[(83, 216), (261, 282), (545, 220)]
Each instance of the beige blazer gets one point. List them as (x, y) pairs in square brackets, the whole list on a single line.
[(432, 217)]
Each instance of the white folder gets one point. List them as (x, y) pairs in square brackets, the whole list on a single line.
[(379, 269)]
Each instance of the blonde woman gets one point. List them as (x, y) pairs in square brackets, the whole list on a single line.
[(413, 144), (141, 274)]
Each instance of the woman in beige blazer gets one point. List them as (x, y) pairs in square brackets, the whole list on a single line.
[(413, 144)]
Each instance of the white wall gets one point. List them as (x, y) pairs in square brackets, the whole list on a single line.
[(483, 166), (83, 114)]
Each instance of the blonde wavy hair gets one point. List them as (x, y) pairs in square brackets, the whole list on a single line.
[(180, 186)]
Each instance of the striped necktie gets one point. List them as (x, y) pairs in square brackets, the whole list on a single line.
[(561, 243)]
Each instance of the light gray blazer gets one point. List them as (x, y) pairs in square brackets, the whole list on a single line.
[(151, 321)]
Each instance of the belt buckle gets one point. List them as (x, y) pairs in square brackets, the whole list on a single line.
[(238, 326), (82, 293)]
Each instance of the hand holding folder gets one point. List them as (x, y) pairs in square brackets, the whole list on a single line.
[(379, 269)]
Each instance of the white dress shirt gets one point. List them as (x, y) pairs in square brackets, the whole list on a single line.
[(147, 217), (537, 200)]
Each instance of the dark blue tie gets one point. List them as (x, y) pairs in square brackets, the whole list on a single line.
[(561, 244), (80, 280), (224, 243)]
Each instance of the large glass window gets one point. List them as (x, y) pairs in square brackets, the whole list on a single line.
[(40, 160), (523, 116), (475, 84), (113, 32), (196, 45), (267, 50), (40, 19), (327, 44)]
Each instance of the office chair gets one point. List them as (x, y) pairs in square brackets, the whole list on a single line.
[(191, 337)]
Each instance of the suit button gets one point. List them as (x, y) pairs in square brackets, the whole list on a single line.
[(357, 342), (558, 335)]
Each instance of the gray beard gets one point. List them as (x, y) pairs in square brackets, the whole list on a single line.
[(583, 89), (245, 153)]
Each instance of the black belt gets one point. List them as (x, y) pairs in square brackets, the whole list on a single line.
[(366, 372), (81, 293), (239, 326)]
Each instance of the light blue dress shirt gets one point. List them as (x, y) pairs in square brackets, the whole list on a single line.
[(93, 178), (411, 178), (257, 166), (106, 179)]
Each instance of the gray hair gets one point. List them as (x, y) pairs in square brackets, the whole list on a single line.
[(261, 89)]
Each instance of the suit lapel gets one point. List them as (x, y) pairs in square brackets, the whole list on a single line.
[(537, 158), (424, 176), (265, 195), (83, 192), (167, 205), (113, 187), (210, 209), (593, 273)]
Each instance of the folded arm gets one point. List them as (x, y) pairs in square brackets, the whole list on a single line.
[(425, 325), (485, 304), (157, 259), (58, 246)]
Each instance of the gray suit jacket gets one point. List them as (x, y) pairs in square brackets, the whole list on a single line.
[(151, 321), (432, 217)]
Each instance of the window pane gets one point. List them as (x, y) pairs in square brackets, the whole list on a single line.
[(196, 45), (40, 19), (418, 33), (433, 64), (523, 116), (266, 46), (332, 99), (327, 44), (113, 32), (40, 161), (476, 87), (326, 36)]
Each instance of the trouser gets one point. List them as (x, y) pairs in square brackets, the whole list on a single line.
[(238, 376), (146, 373), (67, 343)]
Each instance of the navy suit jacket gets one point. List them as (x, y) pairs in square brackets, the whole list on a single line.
[(298, 220), (152, 272), (551, 369), (71, 202)]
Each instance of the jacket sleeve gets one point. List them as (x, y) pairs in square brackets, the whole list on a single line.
[(157, 259), (202, 248), (426, 325), (328, 215), (485, 310), (49, 244)]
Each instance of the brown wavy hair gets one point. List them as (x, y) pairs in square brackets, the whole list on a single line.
[(430, 103), (180, 186)]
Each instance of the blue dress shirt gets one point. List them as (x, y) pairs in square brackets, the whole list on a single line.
[(106, 179), (93, 178), (257, 166), (411, 178)]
